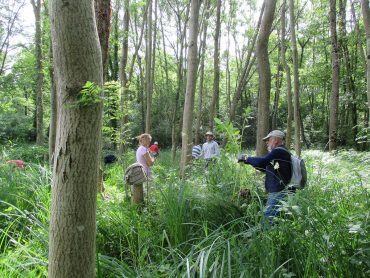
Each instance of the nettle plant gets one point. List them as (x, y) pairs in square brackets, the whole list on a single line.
[(90, 94)]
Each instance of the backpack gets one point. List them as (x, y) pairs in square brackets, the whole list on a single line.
[(135, 174), (299, 172)]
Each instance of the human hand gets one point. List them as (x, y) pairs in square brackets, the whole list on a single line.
[(242, 158)]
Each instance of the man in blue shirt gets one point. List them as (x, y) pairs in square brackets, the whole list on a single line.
[(277, 167)]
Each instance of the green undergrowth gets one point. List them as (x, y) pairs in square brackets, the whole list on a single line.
[(206, 225)]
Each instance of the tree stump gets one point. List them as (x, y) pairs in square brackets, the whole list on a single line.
[(137, 194)]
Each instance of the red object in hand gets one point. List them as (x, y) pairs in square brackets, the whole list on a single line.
[(154, 148), (17, 162)]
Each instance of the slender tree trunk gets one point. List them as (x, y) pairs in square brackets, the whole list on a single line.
[(53, 109), (293, 39), (187, 122), (123, 75), (77, 60), (334, 98), (148, 69), (216, 68), (264, 73), (180, 82), (103, 11), (201, 77), (278, 82), (366, 16), (247, 66), (40, 75), (358, 36)]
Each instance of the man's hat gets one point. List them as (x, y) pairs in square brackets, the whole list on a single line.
[(209, 133), (155, 143), (275, 133)]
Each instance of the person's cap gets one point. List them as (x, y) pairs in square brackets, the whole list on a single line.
[(209, 133), (155, 143), (275, 133)]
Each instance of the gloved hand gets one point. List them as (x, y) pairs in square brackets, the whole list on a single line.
[(242, 158)]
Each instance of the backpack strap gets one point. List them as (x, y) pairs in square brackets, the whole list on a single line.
[(291, 166)]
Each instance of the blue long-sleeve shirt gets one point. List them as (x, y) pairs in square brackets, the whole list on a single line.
[(277, 166)]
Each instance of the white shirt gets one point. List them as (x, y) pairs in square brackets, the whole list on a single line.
[(210, 150)]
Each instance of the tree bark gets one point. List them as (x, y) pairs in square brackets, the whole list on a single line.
[(77, 60), (123, 75), (148, 69), (246, 69), (53, 109), (366, 16), (40, 75), (201, 76), (334, 98), (216, 68), (103, 12), (187, 122), (264, 73), (180, 81), (293, 39)]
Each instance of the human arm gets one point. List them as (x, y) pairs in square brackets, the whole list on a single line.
[(261, 162), (149, 159)]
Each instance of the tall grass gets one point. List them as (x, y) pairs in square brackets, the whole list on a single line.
[(201, 226)]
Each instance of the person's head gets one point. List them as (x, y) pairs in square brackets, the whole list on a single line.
[(155, 143), (274, 139), (145, 139), (209, 136)]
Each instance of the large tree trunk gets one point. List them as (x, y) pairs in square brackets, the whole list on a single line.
[(366, 16), (264, 73), (187, 122), (334, 98), (216, 68), (293, 39), (77, 60), (40, 75)]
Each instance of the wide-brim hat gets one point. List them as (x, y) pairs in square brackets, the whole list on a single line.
[(209, 133), (275, 133)]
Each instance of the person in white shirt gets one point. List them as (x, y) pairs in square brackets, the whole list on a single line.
[(210, 148)]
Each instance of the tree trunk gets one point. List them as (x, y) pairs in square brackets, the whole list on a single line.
[(201, 76), (148, 69), (293, 39), (103, 11), (216, 68), (246, 69), (77, 60), (366, 16), (334, 98), (53, 109), (187, 122), (180, 82), (264, 73), (123, 75), (40, 75)]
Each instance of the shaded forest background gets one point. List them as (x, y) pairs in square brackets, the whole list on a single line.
[(142, 95)]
